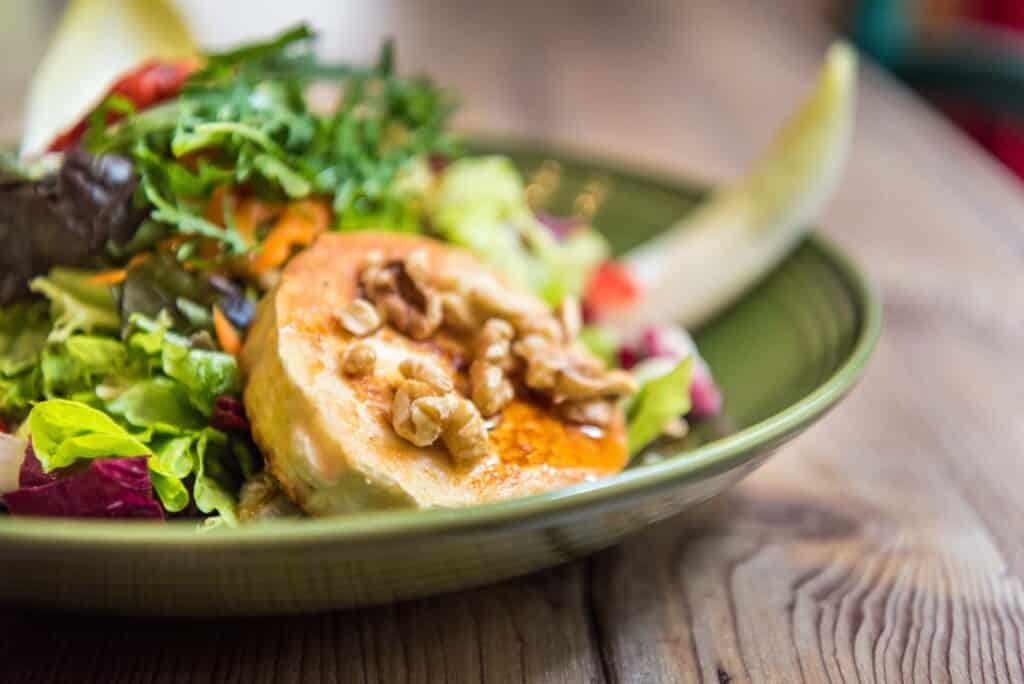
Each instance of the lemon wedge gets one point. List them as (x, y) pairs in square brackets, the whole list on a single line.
[(742, 231), (96, 42)]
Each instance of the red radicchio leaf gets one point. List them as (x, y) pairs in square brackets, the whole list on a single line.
[(560, 226), (229, 415), (107, 488), (673, 343), (32, 473)]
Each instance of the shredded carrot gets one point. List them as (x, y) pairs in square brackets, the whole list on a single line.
[(298, 226), (140, 258), (227, 336), (174, 242), (108, 277)]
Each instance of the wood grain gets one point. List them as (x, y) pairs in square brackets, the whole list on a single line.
[(882, 546)]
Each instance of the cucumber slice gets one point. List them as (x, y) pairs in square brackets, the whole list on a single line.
[(741, 232)]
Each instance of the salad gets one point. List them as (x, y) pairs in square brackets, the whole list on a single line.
[(256, 284)]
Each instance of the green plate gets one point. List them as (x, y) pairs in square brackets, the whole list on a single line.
[(783, 356)]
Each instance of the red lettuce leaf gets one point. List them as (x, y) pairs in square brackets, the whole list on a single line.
[(107, 488), (64, 219)]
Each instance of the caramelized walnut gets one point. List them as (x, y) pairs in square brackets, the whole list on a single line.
[(360, 318), (358, 359)]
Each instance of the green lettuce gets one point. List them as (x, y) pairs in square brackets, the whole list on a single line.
[(76, 304), (24, 327), (602, 342), (64, 432), (80, 363), (664, 394), (158, 404), (480, 203), (205, 375)]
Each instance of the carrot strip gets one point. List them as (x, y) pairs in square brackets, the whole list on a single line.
[(140, 258), (108, 277), (298, 226), (227, 336)]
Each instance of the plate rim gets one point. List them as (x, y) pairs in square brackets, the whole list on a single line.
[(706, 460)]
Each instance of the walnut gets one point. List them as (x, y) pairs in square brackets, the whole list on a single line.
[(490, 299), (414, 426), (494, 343), (358, 359), (579, 381), (425, 372), (543, 361), (457, 313), (360, 318), (407, 302), (491, 390), (426, 408), (590, 412), (465, 434), (571, 317), (546, 327)]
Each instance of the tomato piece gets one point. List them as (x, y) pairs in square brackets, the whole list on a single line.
[(611, 287), (3, 427), (149, 84)]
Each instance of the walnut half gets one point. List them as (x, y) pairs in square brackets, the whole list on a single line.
[(426, 408)]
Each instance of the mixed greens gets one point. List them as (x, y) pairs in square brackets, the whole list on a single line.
[(132, 261)]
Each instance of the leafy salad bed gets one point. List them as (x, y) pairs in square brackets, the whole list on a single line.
[(135, 252)]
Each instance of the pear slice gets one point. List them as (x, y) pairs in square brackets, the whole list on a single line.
[(741, 232), (96, 42)]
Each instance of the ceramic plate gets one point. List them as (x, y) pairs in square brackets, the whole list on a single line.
[(784, 355)]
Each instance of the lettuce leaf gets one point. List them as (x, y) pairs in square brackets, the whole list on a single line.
[(80, 363), (77, 305), (480, 203), (602, 342), (204, 374), (23, 330), (64, 431), (159, 404), (17, 393), (24, 327), (216, 481), (662, 397)]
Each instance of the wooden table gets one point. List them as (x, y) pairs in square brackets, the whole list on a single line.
[(884, 545)]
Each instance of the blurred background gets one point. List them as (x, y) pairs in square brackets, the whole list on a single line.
[(514, 64)]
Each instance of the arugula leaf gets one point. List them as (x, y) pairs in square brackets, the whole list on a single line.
[(660, 399), (243, 119)]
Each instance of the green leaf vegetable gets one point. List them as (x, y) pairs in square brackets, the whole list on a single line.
[(243, 118), (481, 204), (76, 305), (663, 396)]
